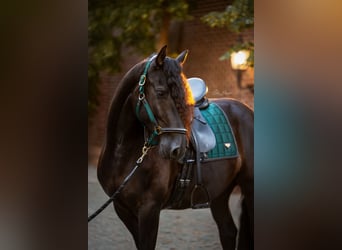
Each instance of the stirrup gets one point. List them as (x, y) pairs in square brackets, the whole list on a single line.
[(200, 190)]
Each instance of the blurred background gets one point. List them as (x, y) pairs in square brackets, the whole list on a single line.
[(47, 49), (122, 33)]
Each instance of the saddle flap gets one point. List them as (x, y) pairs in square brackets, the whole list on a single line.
[(204, 136)]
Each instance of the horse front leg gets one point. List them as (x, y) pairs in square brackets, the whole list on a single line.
[(129, 219), (148, 226)]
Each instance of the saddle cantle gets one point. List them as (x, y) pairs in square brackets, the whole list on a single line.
[(199, 89)]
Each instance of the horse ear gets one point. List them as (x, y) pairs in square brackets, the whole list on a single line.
[(182, 56), (161, 56)]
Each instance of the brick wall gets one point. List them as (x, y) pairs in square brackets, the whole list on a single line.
[(205, 46)]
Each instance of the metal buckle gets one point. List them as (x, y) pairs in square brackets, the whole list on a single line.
[(141, 96), (142, 80), (158, 130)]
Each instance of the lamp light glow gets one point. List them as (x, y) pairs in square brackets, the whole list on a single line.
[(239, 60)]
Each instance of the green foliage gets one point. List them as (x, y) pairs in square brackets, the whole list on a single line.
[(238, 17), (113, 25)]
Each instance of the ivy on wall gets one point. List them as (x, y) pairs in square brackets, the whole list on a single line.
[(237, 18)]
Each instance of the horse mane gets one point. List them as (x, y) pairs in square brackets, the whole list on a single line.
[(180, 92)]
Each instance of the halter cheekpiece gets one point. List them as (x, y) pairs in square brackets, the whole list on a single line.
[(158, 130)]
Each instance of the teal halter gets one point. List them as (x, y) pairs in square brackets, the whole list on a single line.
[(158, 130)]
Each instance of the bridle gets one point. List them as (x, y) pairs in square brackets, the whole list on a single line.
[(158, 130)]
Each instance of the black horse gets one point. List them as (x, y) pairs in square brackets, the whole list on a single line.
[(152, 111)]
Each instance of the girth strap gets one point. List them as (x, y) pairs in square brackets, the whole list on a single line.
[(199, 188)]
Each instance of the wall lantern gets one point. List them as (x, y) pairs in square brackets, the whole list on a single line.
[(239, 63), (239, 60)]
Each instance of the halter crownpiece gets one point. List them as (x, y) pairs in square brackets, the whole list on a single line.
[(158, 130)]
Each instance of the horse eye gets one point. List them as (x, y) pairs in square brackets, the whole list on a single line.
[(161, 93)]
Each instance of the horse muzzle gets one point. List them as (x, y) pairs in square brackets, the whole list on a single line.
[(173, 146)]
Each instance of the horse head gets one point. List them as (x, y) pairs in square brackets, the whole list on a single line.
[(164, 104)]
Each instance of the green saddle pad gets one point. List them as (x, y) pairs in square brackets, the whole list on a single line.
[(225, 140)]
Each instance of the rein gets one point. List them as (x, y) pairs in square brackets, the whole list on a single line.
[(158, 130), (128, 177)]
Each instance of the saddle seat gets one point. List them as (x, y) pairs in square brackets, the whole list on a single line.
[(199, 89)]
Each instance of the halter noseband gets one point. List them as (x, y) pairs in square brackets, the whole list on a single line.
[(158, 130)]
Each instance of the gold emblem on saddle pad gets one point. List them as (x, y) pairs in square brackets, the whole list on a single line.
[(227, 145)]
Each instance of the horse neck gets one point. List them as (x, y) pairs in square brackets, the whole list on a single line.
[(129, 131), (121, 116)]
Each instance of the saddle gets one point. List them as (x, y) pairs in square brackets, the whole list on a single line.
[(202, 135), (211, 139)]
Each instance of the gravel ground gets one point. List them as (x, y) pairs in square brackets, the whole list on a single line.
[(178, 229)]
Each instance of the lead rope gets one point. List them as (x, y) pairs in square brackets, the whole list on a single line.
[(128, 177)]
